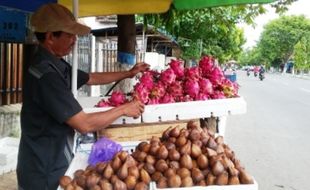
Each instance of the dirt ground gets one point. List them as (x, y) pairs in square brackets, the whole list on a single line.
[(8, 181)]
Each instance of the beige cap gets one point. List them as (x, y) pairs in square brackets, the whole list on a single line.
[(53, 17)]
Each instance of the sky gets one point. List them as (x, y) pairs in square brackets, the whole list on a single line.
[(252, 34)]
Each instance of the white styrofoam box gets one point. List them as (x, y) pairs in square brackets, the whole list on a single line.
[(81, 157), (88, 105), (211, 187), (152, 58), (193, 110), (120, 120), (88, 102), (130, 146), (127, 146), (79, 162), (222, 125), (175, 111), (8, 154)]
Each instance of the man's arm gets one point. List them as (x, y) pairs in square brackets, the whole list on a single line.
[(90, 122), (108, 77)]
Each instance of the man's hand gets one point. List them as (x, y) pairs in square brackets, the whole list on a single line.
[(139, 67), (133, 109)]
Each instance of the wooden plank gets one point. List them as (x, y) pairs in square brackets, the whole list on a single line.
[(14, 74), (20, 72), (2, 62), (2, 67), (139, 132), (8, 73)]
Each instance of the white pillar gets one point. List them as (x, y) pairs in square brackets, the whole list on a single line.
[(75, 55), (94, 89)]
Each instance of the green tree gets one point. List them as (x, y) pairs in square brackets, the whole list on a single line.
[(279, 37), (252, 57), (211, 30), (301, 54)]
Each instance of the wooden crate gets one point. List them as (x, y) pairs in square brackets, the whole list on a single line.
[(145, 131), (139, 132)]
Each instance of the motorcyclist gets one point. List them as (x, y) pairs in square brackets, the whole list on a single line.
[(248, 70), (261, 72), (256, 70)]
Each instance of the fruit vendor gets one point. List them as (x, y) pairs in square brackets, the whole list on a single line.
[(50, 113)]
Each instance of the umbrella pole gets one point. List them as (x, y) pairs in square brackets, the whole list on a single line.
[(74, 54)]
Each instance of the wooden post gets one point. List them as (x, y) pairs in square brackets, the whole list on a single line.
[(20, 73), (2, 73), (8, 72), (13, 90)]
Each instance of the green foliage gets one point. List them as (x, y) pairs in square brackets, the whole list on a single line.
[(276, 45), (252, 57), (210, 31), (301, 54), (281, 6), (213, 30)]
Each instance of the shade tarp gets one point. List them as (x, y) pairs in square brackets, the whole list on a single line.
[(123, 7)]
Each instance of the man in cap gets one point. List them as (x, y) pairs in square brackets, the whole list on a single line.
[(50, 113)]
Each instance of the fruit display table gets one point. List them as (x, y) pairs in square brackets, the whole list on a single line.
[(175, 111), (158, 117)]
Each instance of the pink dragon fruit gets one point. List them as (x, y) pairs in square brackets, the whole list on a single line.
[(153, 101), (167, 76), (216, 76), (186, 98), (192, 73), (202, 96), (167, 98), (175, 89), (147, 80), (157, 91), (205, 86), (206, 64), (229, 88), (117, 98), (178, 68), (191, 87), (218, 94), (236, 88), (103, 103), (141, 93)]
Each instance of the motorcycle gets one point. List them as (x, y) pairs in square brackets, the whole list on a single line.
[(248, 72), (261, 76), (255, 74)]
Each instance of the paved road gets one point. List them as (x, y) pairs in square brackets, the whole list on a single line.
[(272, 139)]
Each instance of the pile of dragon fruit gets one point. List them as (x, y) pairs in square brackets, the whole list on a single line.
[(178, 84)]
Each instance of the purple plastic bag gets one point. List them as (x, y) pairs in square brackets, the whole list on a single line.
[(103, 150)]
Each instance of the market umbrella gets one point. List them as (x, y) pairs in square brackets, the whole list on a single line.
[(122, 7)]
